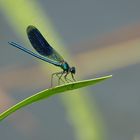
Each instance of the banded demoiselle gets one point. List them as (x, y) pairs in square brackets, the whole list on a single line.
[(47, 54)]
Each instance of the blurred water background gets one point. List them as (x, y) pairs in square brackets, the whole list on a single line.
[(102, 37)]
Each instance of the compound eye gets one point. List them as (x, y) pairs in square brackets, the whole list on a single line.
[(73, 70)]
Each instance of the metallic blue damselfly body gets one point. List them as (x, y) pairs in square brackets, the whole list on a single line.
[(47, 54)]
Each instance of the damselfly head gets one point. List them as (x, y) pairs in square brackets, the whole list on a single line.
[(73, 70)]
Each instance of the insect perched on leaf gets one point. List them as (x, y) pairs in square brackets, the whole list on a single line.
[(46, 53)]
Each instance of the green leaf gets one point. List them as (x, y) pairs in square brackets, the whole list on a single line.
[(49, 92)]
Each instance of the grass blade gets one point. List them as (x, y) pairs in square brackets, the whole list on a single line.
[(49, 92)]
